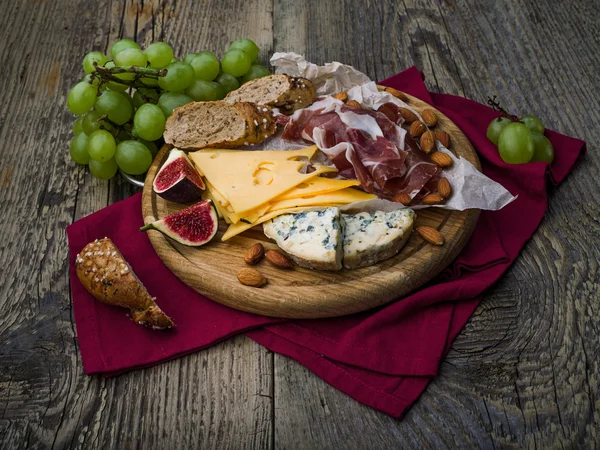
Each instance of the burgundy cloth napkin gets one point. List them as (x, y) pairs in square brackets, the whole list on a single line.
[(384, 358)]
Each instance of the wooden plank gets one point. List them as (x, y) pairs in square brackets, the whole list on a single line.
[(521, 374)]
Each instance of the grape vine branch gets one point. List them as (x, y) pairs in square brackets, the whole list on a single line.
[(493, 102), (106, 74)]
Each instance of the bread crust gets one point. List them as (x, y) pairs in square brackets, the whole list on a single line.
[(259, 124), (106, 275)]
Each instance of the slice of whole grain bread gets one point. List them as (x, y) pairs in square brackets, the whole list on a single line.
[(199, 125), (279, 90)]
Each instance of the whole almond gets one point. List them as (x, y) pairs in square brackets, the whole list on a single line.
[(408, 115), (444, 188), (278, 259), (427, 141), (429, 117), (343, 96), (353, 103), (251, 277), (443, 137), (431, 235), (432, 199), (396, 93), (254, 254), (417, 128), (441, 159), (402, 198)]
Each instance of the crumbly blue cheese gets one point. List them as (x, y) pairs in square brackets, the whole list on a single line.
[(370, 237), (312, 239)]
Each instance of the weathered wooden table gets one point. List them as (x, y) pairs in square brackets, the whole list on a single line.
[(524, 372)]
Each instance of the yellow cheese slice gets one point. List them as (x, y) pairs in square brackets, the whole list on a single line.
[(252, 215), (240, 227), (342, 197), (248, 179), (317, 185)]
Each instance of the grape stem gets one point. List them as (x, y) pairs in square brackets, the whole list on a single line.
[(112, 127), (493, 102), (105, 74)]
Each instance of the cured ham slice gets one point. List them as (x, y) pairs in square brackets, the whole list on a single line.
[(365, 145)]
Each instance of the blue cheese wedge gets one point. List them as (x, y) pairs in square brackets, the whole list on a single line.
[(370, 237), (312, 239)]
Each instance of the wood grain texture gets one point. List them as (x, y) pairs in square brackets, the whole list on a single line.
[(523, 373), (293, 293)]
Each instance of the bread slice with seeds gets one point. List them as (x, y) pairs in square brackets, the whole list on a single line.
[(199, 125), (106, 275), (280, 91)]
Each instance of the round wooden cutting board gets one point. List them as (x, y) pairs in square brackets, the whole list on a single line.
[(302, 293)]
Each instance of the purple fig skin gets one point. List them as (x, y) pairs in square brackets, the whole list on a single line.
[(185, 189)]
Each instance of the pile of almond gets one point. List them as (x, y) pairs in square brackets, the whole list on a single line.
[(252, 277)]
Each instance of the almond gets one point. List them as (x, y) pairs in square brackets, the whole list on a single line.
[(353, 103), (444, 188), (432, 199), (443, 137), (402, 198), (396, 93), (254, 254), (431, 235), (343, 96), (251, 277), (441, 159), (417, 129), (408, 115), (427, 141), (429, 117), (278, 259)]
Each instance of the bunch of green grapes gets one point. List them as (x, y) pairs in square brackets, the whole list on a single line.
[(123, 101), (521, 140)]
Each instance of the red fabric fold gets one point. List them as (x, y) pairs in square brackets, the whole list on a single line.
[(384, 358)]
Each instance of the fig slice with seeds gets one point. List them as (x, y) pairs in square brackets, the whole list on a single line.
[(194, 226), (177, 180)]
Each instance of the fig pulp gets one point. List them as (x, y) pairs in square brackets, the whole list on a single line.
[(177, 180), (194, 226)]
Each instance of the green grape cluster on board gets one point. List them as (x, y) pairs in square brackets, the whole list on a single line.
[(125, 98), (521, 140)]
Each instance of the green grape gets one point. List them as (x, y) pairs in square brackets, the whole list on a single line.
[(149, 81), (236, 62), (159, 54), (206, 66), (543, 150), (515, 144), (78, 149), (133, 157), (149, 95), (94, 82), (81, 98), (205, 91), (179, 76), (112, 84), (90, 122), (93, 57), (171, 100), (78, 126), (188, 58), (533, 123), (229, 82), (103, 170), (115, 105), (149, 122), (134, 133), (150, 146), (122, 136), (495, 128), (247, 46), (122, 45), (130, 100), (101, 145), (256, 71), (131, 57)]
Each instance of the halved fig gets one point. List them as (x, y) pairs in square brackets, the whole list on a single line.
[(177, 180), (194, 226)]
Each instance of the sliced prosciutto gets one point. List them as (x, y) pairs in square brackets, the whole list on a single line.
[(365, 145)]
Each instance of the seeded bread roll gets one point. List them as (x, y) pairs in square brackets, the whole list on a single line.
[(106, 275), (199, 125), (281, 91)]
